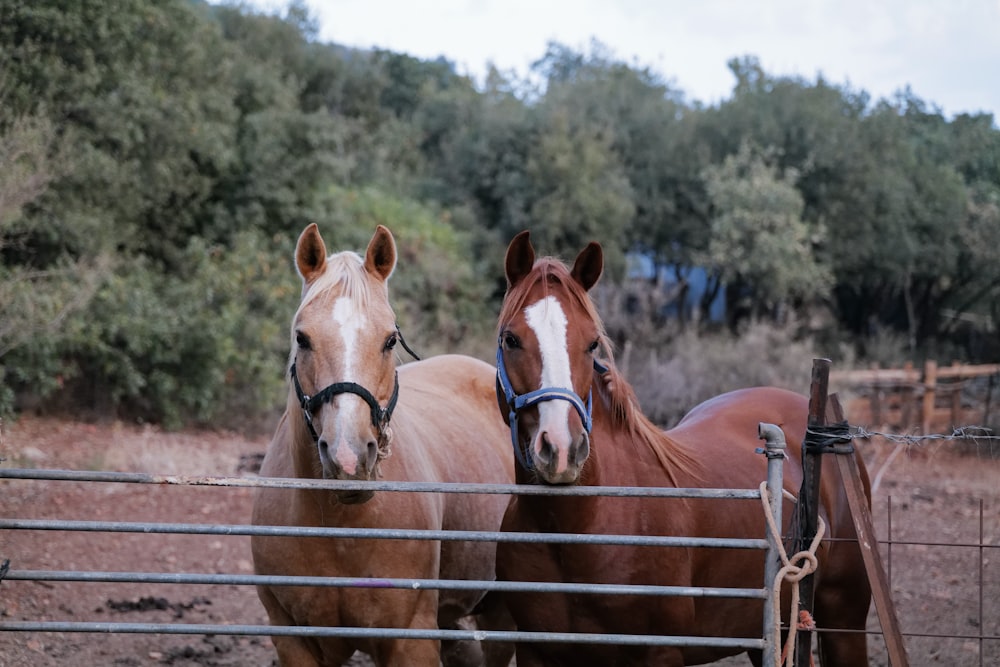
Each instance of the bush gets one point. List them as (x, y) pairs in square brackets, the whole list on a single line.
[(671, 379), (203, 347), (441, 302)]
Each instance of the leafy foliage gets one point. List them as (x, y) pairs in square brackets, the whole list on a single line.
[(759, 245), (158, 159)]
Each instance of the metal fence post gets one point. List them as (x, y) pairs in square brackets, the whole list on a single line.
[(774, 439)]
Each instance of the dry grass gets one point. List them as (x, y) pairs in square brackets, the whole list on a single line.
[(675, 375), (188, 453), (117, 446)]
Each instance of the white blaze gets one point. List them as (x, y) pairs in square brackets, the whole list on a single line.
[(346, 317), (548, 321), (349, 320)]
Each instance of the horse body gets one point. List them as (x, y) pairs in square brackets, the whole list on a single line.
[(443, 428), (713, 446)]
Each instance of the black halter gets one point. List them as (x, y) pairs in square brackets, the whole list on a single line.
[(380, 415), (310, 404)]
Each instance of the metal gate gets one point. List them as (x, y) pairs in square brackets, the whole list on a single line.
[(9, 571)]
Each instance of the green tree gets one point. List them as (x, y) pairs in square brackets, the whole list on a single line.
[(760, 247), (580, 192), (651, 132), (140, 95), (894, 222), (478, 148), (439, 297), (35, 302)]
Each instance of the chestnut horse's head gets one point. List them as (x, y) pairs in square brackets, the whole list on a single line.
[(548, 335), (342, 363)]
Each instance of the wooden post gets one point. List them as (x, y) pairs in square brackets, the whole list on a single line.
[(876, 400), (857, 499), (930, 385), (807, 508), (906, 397), (989, 395), (956, 395)]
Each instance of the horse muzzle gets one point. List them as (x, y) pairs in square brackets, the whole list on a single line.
[(343, 462), (560, 464)]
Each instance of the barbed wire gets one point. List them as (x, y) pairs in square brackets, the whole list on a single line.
[(974, 433)]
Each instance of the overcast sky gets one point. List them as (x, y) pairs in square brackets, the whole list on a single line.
[(947, 51)]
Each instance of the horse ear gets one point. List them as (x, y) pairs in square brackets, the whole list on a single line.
[(589, 265), (519, 259), (380, 259), (310, 254)]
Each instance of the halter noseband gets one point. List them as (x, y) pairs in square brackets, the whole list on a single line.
[(380, 415), (516, 402), (310, 404)]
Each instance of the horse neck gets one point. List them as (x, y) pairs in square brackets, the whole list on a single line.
[(629, 455), (597, 470)]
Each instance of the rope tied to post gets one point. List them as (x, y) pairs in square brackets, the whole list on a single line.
[(833, 438), (794, 568)]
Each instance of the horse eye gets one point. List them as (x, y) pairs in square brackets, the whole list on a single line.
[(302, 341), (593, 347), (390, 342), (511, 341)]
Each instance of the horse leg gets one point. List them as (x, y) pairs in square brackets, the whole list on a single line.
[(492, 614), (294, 651), (472, 653), (843, 608), (527, 655), (408, 653), (843, 649), (666, 656), (461, 653)]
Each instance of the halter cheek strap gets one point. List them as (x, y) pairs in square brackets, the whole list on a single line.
[(516, 402)]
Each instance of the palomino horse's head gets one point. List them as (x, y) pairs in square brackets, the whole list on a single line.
[(547, 338), (342, 363)]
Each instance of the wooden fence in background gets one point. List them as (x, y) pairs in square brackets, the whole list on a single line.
[(932, 398)]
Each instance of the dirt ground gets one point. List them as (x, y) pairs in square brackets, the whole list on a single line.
[(935, 494)]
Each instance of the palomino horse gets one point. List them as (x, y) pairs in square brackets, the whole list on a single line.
[(352, 415), (575, 420)]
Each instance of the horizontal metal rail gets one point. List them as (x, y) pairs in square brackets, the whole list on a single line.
[(383, 533), (404, 633), (379, 583), (358, 485)]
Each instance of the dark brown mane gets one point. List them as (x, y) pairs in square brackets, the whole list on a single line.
[(623, 405), (626, 413)]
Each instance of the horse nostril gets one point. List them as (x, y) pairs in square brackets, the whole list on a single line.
[(323, 448), (582, 450), (372, 455), (545, 450)]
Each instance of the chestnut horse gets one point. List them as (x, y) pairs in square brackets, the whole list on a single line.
[(575, 420), (352, 415)]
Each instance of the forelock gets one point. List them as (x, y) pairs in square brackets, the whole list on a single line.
[(550, 273), (344, 276)]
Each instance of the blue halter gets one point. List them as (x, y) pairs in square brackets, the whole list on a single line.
[(516, 403)]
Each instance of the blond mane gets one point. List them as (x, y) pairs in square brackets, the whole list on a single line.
[(623, 405)]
